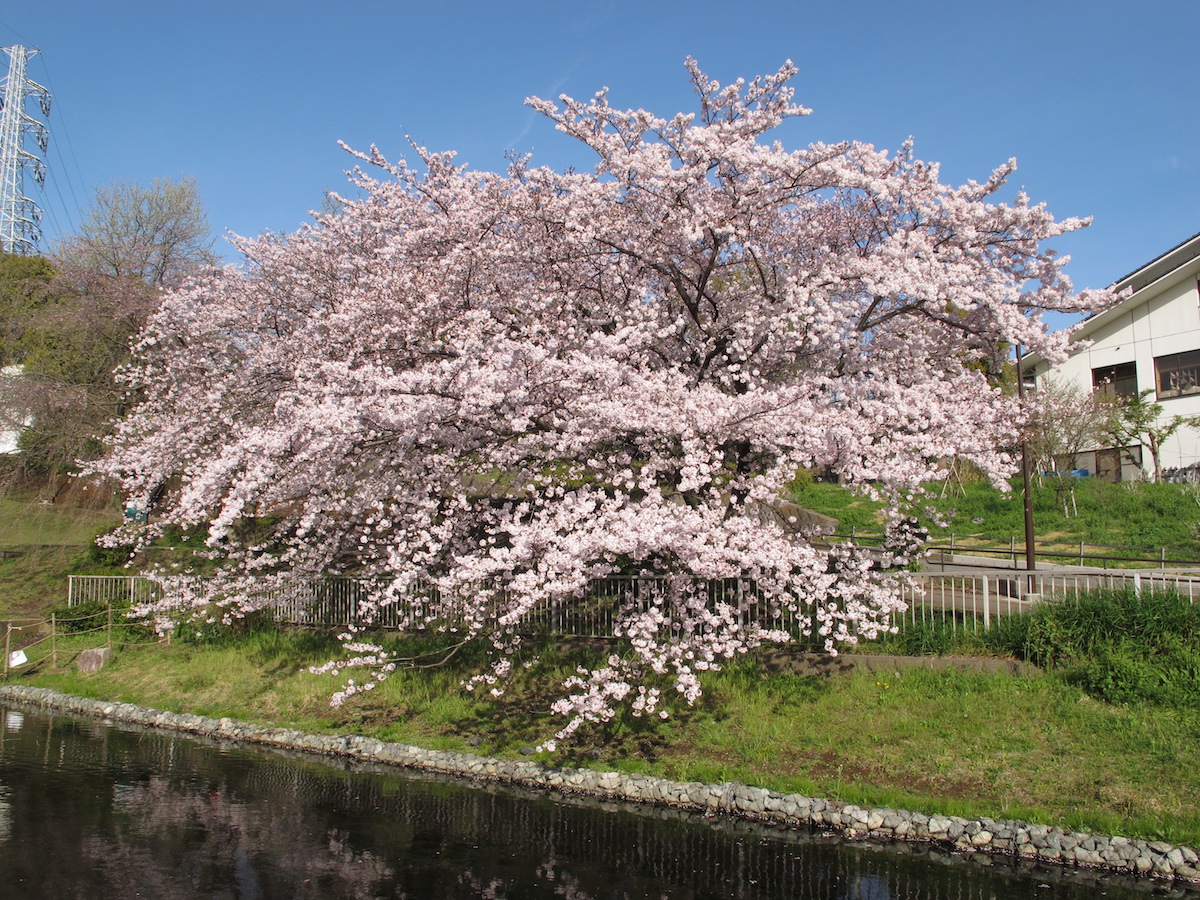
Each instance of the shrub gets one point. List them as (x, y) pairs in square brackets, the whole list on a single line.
[(1128, 676), (85, 617), (1122, 647), (1091, 622), (217, 634)]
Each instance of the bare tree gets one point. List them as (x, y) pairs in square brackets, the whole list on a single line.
[(1067, 420), (157, 233), (66, 389)]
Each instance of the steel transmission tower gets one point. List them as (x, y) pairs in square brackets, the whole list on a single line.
[(20, 217)]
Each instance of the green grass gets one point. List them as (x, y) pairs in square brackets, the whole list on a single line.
[(34, 580), (1046, 748), (853, 511), (956, 743), (27, 522), (1133, 514), (42, 544)]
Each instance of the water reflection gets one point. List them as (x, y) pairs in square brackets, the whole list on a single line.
[(88, 810)]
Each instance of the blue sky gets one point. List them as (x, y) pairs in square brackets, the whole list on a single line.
[(1096, 99)]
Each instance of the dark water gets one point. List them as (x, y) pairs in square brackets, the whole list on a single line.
[(88, 810)]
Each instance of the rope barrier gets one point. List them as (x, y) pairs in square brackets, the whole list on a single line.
[(19, 658)]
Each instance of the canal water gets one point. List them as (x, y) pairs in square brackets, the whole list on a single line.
[(97, 811)]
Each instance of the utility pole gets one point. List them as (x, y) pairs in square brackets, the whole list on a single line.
[(1027, 482), (20, 217)]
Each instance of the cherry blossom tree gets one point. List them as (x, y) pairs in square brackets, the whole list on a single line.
[(508, 385), (1064, 420)]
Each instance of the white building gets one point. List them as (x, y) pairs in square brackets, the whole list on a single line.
[(14, 417), (1149, 341)]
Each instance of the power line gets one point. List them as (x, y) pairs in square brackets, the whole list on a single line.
[(20, 37), (65, 160)]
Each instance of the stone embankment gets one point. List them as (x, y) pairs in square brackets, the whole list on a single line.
[(1007, 837)]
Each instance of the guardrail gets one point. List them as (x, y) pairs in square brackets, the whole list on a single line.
[(1081, 552)]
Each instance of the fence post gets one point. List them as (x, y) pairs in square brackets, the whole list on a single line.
[(53, 641), (987, 605), (1081, 553), (1137, 584), (1162, 557), (110, 626), (7, 635)]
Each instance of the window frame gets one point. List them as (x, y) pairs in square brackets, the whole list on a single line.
[(1117, 380), (1170, 363)]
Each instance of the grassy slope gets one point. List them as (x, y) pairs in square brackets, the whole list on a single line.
[(50, 542), (970, 744), (1128, 515)]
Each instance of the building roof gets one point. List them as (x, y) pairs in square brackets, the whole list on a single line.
[(1144, 274), (1142, 277), (1162, 266)]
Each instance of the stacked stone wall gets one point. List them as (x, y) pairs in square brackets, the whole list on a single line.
[(996, 836)]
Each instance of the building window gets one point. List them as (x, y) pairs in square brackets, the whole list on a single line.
[(1116, 381), (1177, 375)]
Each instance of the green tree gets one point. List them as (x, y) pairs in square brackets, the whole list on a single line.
[(25, 287), (68, 322), (1136, 420)]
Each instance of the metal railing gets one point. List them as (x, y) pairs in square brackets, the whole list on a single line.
[(1079, 553), (114, 590), (977, 600), (974, 600), (342, 601)]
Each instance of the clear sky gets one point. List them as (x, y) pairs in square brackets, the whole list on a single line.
[(1096, 99)]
